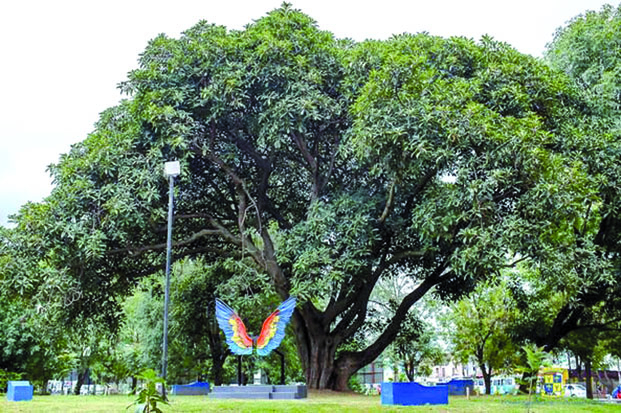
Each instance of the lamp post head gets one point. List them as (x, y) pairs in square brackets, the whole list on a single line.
[(172, 169)]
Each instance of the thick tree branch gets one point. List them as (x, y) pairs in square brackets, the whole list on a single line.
[(417, 190), (271, 265), (356, 316), (390, 332), (353, 319), (243, 194), (389, 202), (324, 181), (301, 144), (514, 263), (402, 255), (312, 163), (345, 300), (248, 149), (135, 251)]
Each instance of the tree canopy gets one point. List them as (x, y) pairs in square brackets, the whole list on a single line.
[(318, 166), (586, 49)]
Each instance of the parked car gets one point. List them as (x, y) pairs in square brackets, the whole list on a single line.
[(575, 390)]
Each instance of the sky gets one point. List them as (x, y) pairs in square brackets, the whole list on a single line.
[(61, 60)]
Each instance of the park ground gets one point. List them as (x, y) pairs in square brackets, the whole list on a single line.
[(316, 403)]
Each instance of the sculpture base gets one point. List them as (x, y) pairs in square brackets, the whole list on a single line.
[(281, 392)]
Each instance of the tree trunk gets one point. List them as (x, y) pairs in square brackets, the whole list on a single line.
[(589, 379), (319, 333), (321, 372), (317, 352), (487, 379), (409, 369), (317, 345), (134, 384), (342, 374), (526, 382), (218, 357), (218, 371), (218, 352), (578, 368), (81, 379)]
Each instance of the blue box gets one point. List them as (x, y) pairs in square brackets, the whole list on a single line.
[(19, 391), (457, 387), (413, 394), (193, 389)]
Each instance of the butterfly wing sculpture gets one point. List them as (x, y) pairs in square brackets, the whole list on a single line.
[(272, 332)]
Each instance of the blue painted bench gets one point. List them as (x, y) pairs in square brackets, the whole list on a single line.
[(197, 388), (19, 391), (458, 387), (413, 394)]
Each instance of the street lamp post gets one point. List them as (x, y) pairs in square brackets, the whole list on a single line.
[(171, 170)]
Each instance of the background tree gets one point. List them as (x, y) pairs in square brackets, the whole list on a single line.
[(32, 342), (479, 329), (587, 253), (417, 348), (585, 48), (194, 334), (543, 308), (110, 365), (140, 329), (590, 349)]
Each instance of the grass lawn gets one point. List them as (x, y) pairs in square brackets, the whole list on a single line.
[(317, 402)]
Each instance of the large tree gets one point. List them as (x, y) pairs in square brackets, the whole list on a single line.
[(320, 165)]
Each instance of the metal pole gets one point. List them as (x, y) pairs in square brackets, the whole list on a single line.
[(171, 180), (282, 366), (239, 370), (282, 369)]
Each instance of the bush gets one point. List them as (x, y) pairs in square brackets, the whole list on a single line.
[(5, 377), (355, 385)]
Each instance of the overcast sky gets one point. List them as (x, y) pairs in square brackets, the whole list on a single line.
[(61, 60)]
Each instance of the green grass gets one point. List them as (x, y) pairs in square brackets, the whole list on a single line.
[(318, 402)]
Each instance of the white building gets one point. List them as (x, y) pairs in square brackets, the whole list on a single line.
[(452, 369)]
